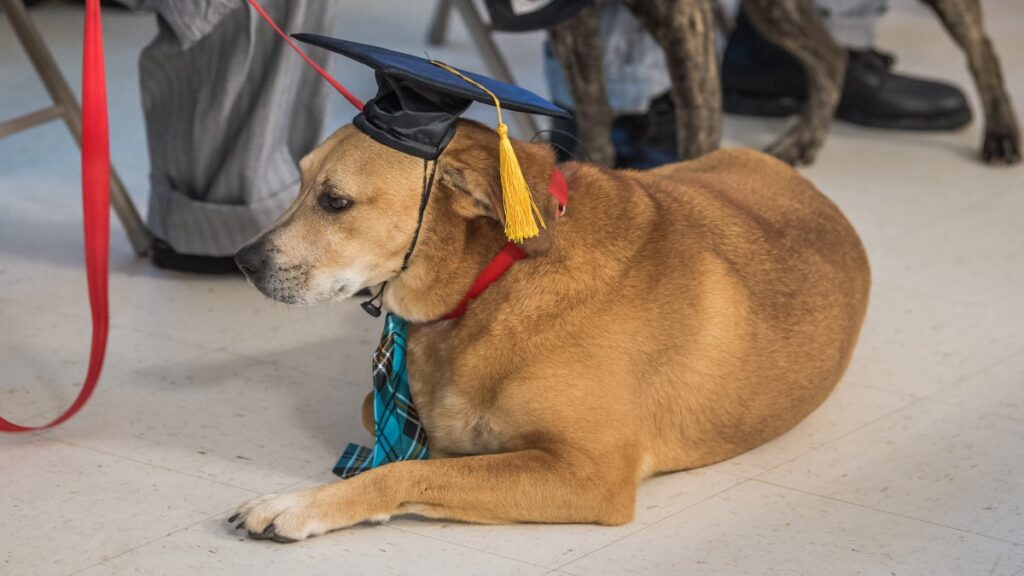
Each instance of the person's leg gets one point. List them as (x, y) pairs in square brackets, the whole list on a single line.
[(636, 83), (229, 112), (852, 23), (761, 79)]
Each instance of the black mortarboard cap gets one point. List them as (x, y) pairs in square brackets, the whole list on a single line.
[(418, 102)]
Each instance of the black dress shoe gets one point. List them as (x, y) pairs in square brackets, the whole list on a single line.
[(641, 141), (163, 256), (760, 79)]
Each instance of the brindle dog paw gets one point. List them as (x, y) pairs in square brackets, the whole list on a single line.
[(1001, 148), (798, 147)]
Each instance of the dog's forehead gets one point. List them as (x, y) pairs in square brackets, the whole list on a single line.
[(317, 157), (354, 164)]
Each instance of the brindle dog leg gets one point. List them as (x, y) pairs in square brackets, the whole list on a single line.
[(685, 29), (963, 21), (794, 26), (577, 45)]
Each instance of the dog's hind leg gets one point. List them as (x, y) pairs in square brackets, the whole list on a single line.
[(794, 26), (963, 21), (685, 29), (576, 44)]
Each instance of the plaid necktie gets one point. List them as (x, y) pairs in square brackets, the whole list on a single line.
[(398, 432)]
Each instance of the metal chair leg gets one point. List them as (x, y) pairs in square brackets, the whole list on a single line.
[(439, 23), (66, 107), (526, 124)]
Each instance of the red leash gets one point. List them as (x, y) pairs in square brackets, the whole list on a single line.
[(96, 194), (330, 79), (95, 206)]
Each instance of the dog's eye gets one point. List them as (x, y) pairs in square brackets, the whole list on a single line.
[(334, 203)]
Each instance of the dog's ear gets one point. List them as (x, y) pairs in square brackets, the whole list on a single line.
[(469, 167)]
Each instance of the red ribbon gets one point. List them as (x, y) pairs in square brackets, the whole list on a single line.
[(95, 206)]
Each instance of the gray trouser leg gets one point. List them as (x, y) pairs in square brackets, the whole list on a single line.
[(852, 22), (230, 110)]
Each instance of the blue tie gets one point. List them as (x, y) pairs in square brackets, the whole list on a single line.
[(398, 431)]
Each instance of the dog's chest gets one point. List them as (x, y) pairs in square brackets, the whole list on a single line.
[(457, 425), (459, 414)]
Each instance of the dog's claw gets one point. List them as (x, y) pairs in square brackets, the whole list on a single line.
[(233, 518), (269, 530), (1001, 148), (797, 147), (239, 525)]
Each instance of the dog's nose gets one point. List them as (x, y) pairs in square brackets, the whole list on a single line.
[(251, 259)]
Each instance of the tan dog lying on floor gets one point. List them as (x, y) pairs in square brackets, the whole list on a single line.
[(671, 319)]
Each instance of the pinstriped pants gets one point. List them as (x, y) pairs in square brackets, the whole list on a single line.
[(229, 112)]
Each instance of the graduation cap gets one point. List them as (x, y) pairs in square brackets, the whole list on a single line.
[(417, 105)]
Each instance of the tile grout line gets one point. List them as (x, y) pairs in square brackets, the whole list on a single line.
[(145, 463), (915, 291), (949, 215), (147, 543), (974, 410), (461, 545), (200, 353), (912, 290), (964, 377), (757, 478), (913, 401), (888, 512), (741, 482)]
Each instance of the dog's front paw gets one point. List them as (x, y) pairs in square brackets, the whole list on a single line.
[(282, 517), (1001, 148)]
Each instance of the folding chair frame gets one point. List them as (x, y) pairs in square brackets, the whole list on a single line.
[(66, 107)]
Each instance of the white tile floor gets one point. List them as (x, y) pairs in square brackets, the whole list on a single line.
[(212, 394)]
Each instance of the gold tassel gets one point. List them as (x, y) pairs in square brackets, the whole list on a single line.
[(520, 209), (515, 193)]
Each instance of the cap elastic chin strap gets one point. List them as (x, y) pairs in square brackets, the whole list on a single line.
[(372, 306)]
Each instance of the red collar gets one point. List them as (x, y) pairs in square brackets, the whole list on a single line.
[(511, 253)]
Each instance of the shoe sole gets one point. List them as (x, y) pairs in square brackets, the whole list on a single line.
[(164, 257), (936, 123), (781, 107)]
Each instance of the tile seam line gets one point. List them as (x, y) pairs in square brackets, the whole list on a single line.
[(461, 545), (913, 400), (949, 215), (741, 482), (889, 512), (151, 464), (974, 373), (144, 544)]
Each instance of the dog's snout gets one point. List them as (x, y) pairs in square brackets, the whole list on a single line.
[(251, 259)]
